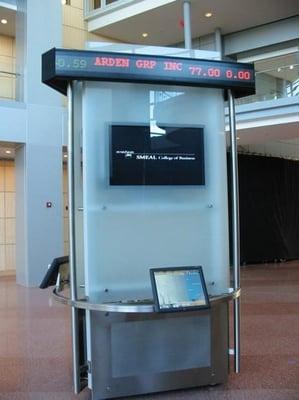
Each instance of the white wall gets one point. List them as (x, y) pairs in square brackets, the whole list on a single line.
[(38, 162), (261, 36)]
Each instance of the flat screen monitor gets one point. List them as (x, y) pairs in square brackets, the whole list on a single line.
[(173, 156), (179, 289)]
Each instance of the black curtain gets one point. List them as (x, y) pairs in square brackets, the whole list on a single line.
[(269, 208)]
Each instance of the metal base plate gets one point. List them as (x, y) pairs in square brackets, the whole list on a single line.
[(135, 354)]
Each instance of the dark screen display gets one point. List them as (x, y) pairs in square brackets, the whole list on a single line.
[(141, 157), (182, 288), (179, 289)]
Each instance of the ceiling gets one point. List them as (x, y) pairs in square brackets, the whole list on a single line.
[(7, 12), (276, 147), (163, 23), (262, 134), (8, 150)]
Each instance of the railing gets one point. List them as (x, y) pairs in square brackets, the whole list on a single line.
[(96, 5), (280, 79), (8, 82), (103, 3)]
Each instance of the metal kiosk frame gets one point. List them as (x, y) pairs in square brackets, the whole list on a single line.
[(63, 70)]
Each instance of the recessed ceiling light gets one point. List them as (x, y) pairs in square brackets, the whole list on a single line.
[(145, 34), (65, 155), (208, 14), (291, 66), (7, 151), (238, 138), (3, 21)]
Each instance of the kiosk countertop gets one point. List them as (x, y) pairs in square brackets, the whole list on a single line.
[(130, 306)]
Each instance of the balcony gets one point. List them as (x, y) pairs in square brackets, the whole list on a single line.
[(96, 7), (276, 78), (110, 17), (126, 20), (99, 4), (8, 76), (271, 115), (8, 85)]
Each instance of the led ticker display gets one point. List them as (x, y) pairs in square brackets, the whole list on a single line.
[(59, 65)]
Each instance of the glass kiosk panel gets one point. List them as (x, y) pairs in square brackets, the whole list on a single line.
[(134, 217)]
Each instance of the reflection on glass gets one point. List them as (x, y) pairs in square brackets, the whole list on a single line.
[(96, 4), (276, 78), (157, 97), (102, 3)]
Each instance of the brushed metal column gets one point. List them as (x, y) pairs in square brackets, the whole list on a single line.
[(72, 235), (235, 226)]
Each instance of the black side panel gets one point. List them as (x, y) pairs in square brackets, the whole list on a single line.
[(49, 72)]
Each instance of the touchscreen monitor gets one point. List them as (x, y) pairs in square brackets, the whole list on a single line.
[(174, 156), (179, 289)]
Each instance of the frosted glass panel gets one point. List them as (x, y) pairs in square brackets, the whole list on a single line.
[(130, 228)]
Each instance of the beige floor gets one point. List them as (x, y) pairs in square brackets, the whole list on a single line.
[(35, 354)]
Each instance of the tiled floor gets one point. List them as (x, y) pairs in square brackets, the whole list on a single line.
[(35, 354)]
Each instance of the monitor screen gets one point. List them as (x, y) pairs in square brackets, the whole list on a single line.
[(172, 156), (179, 289)]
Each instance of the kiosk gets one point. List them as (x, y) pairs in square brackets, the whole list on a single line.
[(148, 189)]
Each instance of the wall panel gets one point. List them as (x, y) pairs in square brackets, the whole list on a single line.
[(7, 217)]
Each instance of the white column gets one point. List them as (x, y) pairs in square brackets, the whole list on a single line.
[(187, 24), (218, 41), (39, 162)]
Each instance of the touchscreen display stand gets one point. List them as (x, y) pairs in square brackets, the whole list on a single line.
[(179, 289)]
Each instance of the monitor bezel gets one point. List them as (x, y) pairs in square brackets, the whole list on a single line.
[(183, 308)]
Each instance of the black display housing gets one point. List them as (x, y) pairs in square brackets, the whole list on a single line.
[(61, 66)]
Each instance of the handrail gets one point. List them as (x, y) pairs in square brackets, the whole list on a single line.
[(8, 92), (132, 306), (91, 11), (283, 71), (235, 225), (10, 73)]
